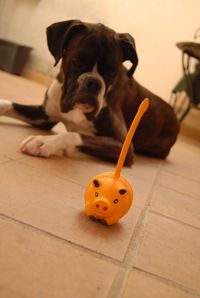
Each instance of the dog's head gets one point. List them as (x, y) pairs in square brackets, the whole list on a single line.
[(92, 57)]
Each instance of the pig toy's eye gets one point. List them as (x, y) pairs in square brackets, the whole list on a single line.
[(115, 201), (96, 194), (122, 191), (96, 183)]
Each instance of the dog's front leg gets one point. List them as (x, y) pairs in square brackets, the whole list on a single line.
[(111, 133), (106, 148), (33, 114), (46, 146)]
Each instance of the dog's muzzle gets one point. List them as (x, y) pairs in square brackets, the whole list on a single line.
[(88, 96), (92, 82), (91, 92)]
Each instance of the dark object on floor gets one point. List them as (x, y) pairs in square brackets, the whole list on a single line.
[(186, 94), (13, 56)]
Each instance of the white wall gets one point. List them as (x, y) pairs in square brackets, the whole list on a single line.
[(156, 26)]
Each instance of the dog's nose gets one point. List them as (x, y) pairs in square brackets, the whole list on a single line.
[(92, 85)]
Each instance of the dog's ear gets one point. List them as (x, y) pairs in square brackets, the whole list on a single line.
[(127, 44), (59, 34)]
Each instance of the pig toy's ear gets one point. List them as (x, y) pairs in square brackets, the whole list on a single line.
[(122, 191), (96, 183)]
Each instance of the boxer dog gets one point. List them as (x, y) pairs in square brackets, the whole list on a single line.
[(96, 98)]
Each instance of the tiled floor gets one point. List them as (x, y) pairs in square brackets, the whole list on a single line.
[(50, 249)]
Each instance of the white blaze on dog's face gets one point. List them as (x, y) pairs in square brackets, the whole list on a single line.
[(91, 81)]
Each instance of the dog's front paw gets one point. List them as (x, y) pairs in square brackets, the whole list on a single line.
[(5, 106), (46, 146), (43, 146)]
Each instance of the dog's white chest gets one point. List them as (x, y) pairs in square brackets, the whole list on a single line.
[(52, 106), (76, 120)]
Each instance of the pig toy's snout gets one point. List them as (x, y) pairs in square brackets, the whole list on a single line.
[(102, 207)]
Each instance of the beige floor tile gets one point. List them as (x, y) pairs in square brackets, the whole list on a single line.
[(142, 286), (184, 159), (13, 132), (141, 189), (171, 250), (78, 168), (144, 167), (81, 169), (3, 158), (36, 265), (56, 205), (180, 184), (176, 205), (22, 90)]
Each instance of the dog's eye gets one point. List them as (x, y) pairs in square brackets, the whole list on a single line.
[(111, 74), (96, 194), (77, 62), (115, 201)]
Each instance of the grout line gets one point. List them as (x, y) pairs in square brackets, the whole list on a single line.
[(10, 159), (5, 162), (52, 174), (119, 283), (66, 241), (174, 219), (168, 282), (128, 264), (137, 236), (180, 175), (177, 191), (180, 192), (7, 159), (124, 269)]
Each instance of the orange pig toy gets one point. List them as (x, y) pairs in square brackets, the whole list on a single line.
[(109, 195)]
